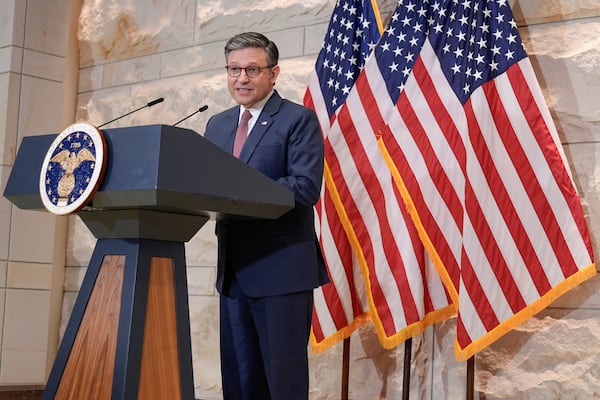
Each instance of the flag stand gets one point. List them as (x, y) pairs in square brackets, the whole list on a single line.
[(345, 368), (470, 377), (406, 371)]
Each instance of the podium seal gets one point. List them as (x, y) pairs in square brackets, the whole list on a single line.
[(73, 169)]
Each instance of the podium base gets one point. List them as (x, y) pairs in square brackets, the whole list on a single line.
[(128, 336)]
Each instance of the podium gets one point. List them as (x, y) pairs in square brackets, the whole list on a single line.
[(128, 336)]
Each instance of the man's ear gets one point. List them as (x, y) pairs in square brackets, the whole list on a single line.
[(275, 73)]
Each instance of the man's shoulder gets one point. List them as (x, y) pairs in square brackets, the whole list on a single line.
[(287, 105), (226, 113)]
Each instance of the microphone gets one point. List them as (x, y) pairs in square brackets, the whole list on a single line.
[(201, 109), (150, 104)]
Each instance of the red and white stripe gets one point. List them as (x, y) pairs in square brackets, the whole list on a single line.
[(392, 259), (494, 200)]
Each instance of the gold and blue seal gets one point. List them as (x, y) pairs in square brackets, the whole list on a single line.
[(73, 169)]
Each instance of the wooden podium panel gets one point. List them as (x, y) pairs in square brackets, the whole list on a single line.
[(89, 370), (160, 337)]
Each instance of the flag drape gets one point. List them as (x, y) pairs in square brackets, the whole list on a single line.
[(446, 187), (378, 266), (462, 125)]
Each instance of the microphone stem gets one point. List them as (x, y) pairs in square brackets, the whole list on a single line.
[(153, 102), (189, 116), (122, 116)]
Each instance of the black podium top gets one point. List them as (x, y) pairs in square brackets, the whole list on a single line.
[(160, 168)]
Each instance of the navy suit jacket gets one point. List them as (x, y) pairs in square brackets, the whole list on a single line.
[(272, 257)]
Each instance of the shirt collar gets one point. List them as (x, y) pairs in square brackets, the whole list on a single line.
[(255, 111)]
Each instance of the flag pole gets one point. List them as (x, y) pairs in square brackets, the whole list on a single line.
[(345, 368), (470, 377), (406, 372)]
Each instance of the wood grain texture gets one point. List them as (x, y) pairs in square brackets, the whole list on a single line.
[(89, 370), (160, 374)]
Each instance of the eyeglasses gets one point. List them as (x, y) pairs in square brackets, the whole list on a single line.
[(252, 71)]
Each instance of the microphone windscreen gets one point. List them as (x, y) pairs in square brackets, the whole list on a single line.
[(153, 102)]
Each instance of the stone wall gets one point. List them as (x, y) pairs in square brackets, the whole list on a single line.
[(38, 75), (132, 51)]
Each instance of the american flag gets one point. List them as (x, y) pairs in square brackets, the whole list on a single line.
[(378, 267), (463, 126)]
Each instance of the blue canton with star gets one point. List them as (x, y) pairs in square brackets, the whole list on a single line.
[(350, 38), (475, 41)]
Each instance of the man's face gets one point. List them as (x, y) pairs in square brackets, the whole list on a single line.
[(245, 90)]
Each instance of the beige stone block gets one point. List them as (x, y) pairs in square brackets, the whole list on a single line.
[(41, 107), (23, 367), (221, 19), (2, 298), (91, 79), (26, 320), (120, 29), (44, 66), (201, 250), (10, 59), (69, 299), (80, 244), (104, 105), (448, 375), (73, 278), (204, 330), (32, 236), (293, 78), (9, 113), (529, 12), (313, 39), (192, 59), (551, 356), (201, 281), (183, 95), (584, 161), (290, 42), (136, 70), (29, 276), (48, 26), (565, 57), (5, 212), (325, 373), (12, 22), (3, 269), (586, 296)]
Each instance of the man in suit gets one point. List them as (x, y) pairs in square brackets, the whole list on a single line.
[(267, 269)]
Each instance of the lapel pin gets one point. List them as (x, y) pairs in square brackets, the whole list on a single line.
[(264, 123)]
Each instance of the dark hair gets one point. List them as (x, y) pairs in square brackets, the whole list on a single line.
[(253, 39)]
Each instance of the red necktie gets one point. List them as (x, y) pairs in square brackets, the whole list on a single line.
[(241, 134)]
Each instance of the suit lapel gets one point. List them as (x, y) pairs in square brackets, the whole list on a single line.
[(260, 128), (229, 129)]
